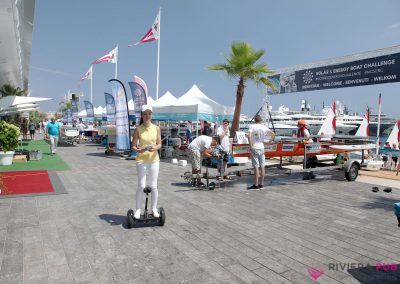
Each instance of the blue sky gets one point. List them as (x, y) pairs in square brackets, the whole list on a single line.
[(69, 35)]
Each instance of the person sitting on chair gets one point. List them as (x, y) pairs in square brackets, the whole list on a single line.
[(201, 146)]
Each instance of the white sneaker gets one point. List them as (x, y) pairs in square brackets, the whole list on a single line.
[(137, 214), (155, 213)]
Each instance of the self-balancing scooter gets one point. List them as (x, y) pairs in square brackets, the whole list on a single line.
[(146, 217)]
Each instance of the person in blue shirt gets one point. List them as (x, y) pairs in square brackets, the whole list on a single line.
[(397, 211), (53, 132)]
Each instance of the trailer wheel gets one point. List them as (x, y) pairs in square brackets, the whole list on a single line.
[(211, 186), (352, 173)]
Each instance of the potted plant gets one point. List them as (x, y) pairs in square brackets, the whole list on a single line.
[(9, 135)]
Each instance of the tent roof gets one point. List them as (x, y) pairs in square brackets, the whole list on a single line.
[(99, 111), (166, 100), (206, 105), (193, 105), (150, 101)]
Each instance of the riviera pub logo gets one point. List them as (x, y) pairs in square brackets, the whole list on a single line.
[(316, 273)]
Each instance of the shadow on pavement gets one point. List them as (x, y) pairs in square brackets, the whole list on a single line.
[(94, 145), (381, 202), (383, 273), (105, 156), (114, 220)]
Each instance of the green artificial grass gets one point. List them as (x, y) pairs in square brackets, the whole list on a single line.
[(48, 162)]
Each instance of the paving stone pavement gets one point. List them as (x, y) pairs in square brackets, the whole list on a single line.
[(229, 235)]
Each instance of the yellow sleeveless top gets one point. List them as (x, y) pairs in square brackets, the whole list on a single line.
[(147, 136)]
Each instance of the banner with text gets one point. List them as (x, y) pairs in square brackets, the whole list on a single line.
[(139, 97), (69, 116), (89, 111), (121, 117), (74, 108), (370, 71), (110, 109)]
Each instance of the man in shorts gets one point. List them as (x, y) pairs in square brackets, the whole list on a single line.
[(258, 133), (201, 146)]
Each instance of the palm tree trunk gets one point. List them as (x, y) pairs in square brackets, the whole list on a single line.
[(238, 107)]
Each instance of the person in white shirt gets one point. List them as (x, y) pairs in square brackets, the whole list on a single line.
[(224, 133), (81, 127), (258, 133), (305, 136), (302, 131), (201, 146)]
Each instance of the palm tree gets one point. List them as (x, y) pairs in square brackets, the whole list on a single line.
[(9, 90), (64, 106), (242, 64)]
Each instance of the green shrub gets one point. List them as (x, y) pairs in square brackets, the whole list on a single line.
[(9, 135)]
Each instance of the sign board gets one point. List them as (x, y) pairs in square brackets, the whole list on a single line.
[(241, 138), (313, 148), (369, 71)]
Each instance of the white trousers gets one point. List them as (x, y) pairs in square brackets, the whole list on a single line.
[(53, 143), (150, 170)]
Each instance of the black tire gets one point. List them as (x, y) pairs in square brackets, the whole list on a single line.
[(352, 173), (211, 185), (130, 218), (161, 221), (311, 162)]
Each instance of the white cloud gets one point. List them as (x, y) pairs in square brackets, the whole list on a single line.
[(50, 71), (394, 26)]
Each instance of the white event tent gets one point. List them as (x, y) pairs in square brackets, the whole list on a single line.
[(166, 100), (194, 105), (98, 112)]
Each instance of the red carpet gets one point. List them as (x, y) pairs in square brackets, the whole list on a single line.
[(25, 182)]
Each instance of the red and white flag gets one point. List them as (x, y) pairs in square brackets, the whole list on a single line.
[(152, 34), (88, 74), (109, 57), (367, 117)]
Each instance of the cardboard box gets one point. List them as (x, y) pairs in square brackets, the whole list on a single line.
[(19, 159)]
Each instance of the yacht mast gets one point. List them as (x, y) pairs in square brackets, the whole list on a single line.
[(265, 111)]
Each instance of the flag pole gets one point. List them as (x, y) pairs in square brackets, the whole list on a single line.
[(91, 85), (158, 51), (116, 64), (379, 125)]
